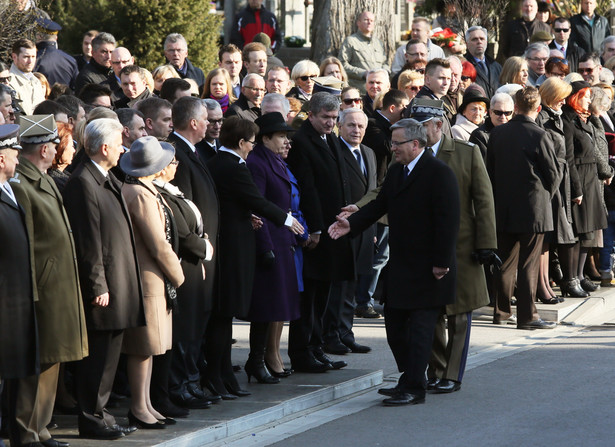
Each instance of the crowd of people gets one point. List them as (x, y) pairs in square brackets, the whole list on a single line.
[(143, 211)]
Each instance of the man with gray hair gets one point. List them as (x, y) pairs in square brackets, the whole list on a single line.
[(316, 154), (208, 146), (248, 104), (108, 273), (501, 111), (98, 69), (487, 69), (536, 55), (421, 196), (176, 53), (607, 48), (376, 81), (590, 68), (275, 102)]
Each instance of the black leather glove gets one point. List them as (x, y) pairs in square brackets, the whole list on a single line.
[(487, 257), (267, 259)]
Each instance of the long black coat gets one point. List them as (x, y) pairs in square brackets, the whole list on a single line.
[(92, 73), (359, 186), (325, 190), (525, 174), (585, 181), (18, 335), (55, 64), (423, 211), (516, 35), (488, 81), (378, 138), (480, 136), (191, 302), (242, 109), (195, 181), (239, 199), (106, 251)]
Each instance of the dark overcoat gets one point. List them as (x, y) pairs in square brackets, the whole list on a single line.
[(580, 141), (360, 185), (378, 138), (106, 250), (242, 109), (195, 181), (59, 308), (323, 180), (423, 211), (524, 174), (55, 64), (275, 294), (490, 80), (191, 311), (239, 199), (18, 335), (91, 73)]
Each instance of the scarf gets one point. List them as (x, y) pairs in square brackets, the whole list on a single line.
[(224, 102)]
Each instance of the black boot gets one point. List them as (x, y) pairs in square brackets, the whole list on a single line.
[(255, 366), (572, 288)]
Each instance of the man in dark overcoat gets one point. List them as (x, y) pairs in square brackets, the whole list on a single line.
[(108, 273), (360, 163), (524, 174), (316, 160), (59, 309), (421, 196), (19, 340), (195, 181), (476, 235)]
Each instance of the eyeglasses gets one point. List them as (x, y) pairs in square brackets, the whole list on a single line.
[(586, 70), (502, 112), (538, 59), (306, 78), (414, 88), (121, 62), (466, 78), (349, 101), (561, 30), (174, 163), (253, 143), (256, 89), (399, 143), (214, 122), (5, 80)]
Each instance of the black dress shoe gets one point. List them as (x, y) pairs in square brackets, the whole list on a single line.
[(126, 429), (168, 421), (356, 348), (336, 347), (132, 419), (447, 386), (103, 433), (537, 324), (432, 383), (323, 358), (389, 391), (366, 312), (32, 444), (309, 365), (169, 409), (403, 399), (200, 394), (55, 443), (187, 400)]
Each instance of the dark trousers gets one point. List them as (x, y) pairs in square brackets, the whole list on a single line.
[(449, 356), (218, 352), (339, 314), (95, 375), (367, 284), (410, 336), (520, 254), (305, 333), (186, 357)]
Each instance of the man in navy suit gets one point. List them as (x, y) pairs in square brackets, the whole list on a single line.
[(421, 196)]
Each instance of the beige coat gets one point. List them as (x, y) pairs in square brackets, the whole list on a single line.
[(156, 261), (30, 91)]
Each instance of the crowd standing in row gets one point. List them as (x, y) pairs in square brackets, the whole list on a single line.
[(142, 212)]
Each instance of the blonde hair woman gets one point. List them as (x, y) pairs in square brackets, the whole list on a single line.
[(514, 71)]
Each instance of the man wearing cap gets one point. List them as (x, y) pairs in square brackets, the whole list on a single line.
[(536, 55), (361, 51), (254, 19), (524, 174), (54, 63), (248, 104), (59, 309), (18, 337), (475, 246), (420, 195), (108, 273), (27, 86)]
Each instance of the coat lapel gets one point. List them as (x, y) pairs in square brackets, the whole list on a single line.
[(446, 149), (416, 173)]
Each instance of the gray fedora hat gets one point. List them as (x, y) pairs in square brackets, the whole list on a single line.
[(146, 157)]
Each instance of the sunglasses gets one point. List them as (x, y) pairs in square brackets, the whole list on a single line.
[(306, 78), (559, 59), (466, 78), (414, 88), (586, 70), (349, 101), (502, 112), (561, 30)]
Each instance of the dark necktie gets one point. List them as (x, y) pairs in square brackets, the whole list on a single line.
[(406, 171), (357, 154), (429, 150)]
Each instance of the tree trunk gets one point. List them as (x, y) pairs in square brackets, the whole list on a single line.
[(334, 20)]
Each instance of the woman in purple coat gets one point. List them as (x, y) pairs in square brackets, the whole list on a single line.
[(275, 294)]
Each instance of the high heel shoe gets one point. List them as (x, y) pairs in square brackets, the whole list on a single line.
[(274, 373), (572, 288), (132, 419), (549, 300), (258, 369), (589, 286)]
